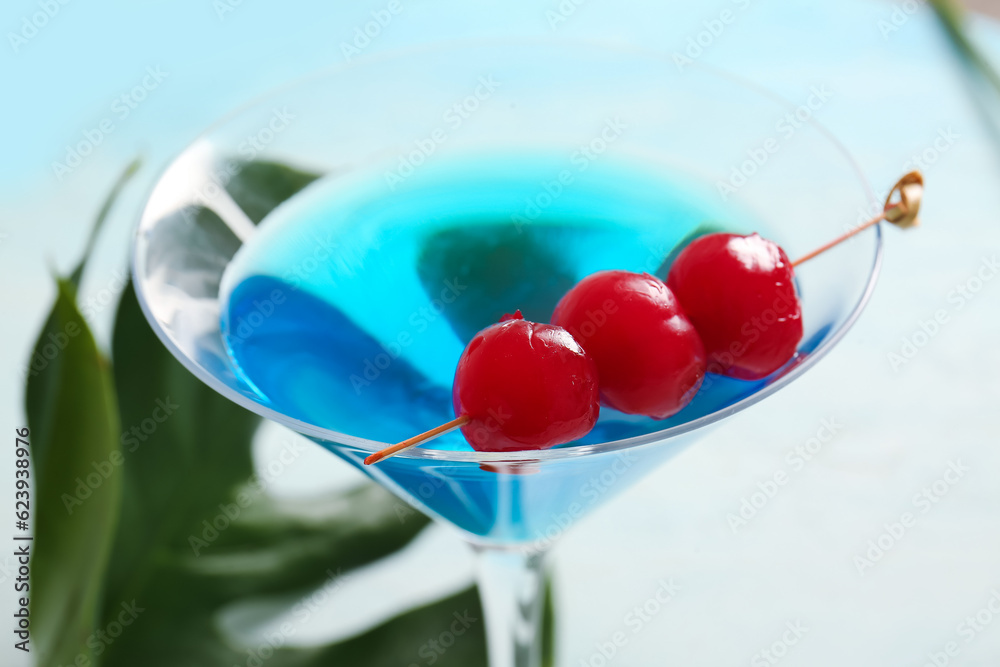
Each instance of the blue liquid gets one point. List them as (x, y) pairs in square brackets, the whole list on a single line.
[(350, 308)]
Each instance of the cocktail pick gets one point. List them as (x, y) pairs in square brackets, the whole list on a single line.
[(519, 385), (902, 207), (435, 432)]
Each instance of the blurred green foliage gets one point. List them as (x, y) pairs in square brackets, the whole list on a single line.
[(952, 17), (143, 535)]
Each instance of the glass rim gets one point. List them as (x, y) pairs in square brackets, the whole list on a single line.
[(522, 456)]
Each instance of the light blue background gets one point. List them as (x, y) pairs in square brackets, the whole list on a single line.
[(894, 93)]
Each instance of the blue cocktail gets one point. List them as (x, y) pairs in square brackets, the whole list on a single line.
[(420, 204)]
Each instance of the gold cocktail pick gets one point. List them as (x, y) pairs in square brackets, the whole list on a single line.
[(902, 206)]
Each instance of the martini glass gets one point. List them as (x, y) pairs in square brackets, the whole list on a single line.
[(502, 172)]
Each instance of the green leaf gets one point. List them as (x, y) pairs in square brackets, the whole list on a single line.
[(102, 215), (499, 268), (263, 551), (548, 638), (407, 640), (73, 419), (952, 17), (259, 186), (181, 467), (699, 231), (276, 546), (198, 528), (186, 448)]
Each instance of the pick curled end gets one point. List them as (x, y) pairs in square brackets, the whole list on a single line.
[(902, 206)]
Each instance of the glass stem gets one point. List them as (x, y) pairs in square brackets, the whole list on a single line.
[(512, 588)]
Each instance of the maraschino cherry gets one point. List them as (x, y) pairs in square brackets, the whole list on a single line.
[(525, 385), (649, 357), (522, 385), (519, 386), (739, 293)]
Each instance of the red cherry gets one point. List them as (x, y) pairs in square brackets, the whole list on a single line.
[(525, 386), (649, 357), (739, 292)]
